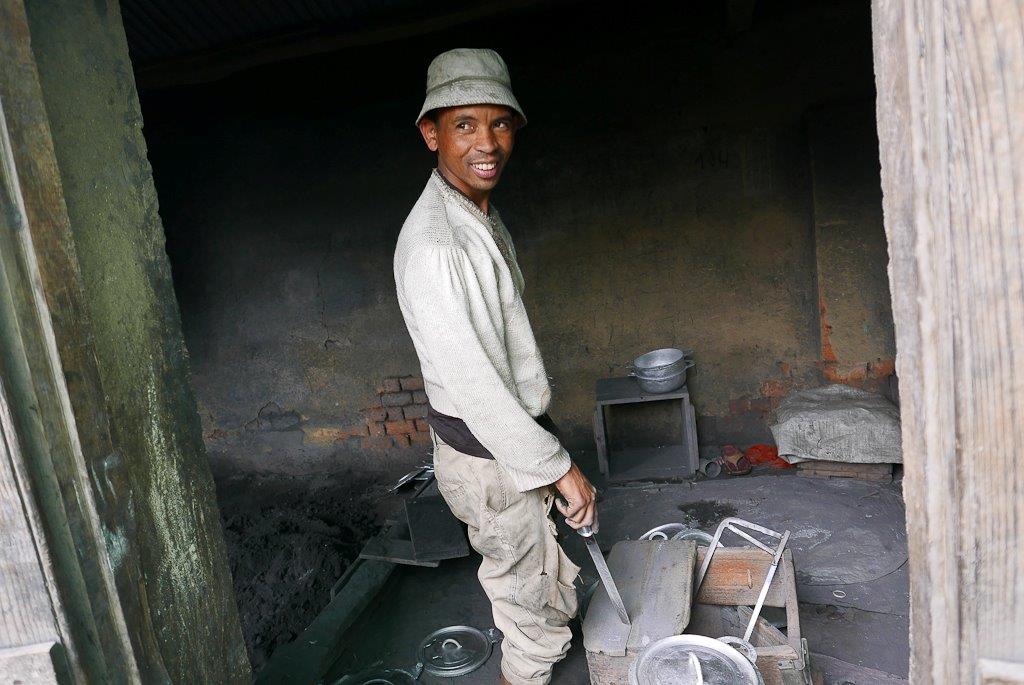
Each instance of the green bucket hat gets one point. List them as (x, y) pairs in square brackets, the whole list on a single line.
[(469, 76)]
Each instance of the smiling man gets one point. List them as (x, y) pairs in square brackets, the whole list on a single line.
[(498, 464)]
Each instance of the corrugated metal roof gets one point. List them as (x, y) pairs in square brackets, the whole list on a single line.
[(159, 31)]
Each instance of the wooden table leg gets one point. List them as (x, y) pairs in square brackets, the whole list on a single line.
[(690, 436), (600, 439)]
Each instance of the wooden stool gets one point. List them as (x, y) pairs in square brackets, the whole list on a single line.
[(669, 461)]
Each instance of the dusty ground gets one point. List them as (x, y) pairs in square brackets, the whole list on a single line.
[(289, 541), (848, 543)]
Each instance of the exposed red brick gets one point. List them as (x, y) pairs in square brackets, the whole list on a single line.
[(376, 428), (389, 385), (882, 368), (395, 414), (420, 438), (419, 397), (828, 355), (358, 431), (376, 414), (412, 383), (415, 411), (773, 388), (402, 440), (378, 442), (785, 369), (422, 426), (858, 373), (399, 427), (396, 399)]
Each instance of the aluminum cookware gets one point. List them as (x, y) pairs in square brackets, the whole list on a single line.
[(662, 370)]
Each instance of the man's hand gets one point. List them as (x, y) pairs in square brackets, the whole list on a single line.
[(580, 497)]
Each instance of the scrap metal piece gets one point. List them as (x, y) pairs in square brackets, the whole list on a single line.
[(412, 475), (767, 582), (677, 531), (731, 523)]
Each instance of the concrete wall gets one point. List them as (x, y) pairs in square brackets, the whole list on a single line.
[(663, 194), (189, 618)]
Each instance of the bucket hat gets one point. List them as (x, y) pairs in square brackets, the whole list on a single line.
[(469, 76)]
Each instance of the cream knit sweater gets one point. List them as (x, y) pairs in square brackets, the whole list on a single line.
[(461, 299)]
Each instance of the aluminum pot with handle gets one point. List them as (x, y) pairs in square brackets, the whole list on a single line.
[(660, 363)]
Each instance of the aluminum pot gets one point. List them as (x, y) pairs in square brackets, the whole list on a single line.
[(661, 364), (668, 383)]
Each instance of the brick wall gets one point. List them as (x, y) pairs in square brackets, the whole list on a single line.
[(399, 419)]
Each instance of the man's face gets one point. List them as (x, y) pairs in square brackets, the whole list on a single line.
[(472, 143)]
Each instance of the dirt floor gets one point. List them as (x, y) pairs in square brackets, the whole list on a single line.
[(288, 542), (849, 547)]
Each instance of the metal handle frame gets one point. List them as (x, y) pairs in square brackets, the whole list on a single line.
[(734, 524)]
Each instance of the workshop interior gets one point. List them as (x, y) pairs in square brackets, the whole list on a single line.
[(233, 474)]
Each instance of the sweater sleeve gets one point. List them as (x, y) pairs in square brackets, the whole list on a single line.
[(459, 331)]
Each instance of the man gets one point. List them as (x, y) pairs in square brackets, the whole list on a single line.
[(460, 288)]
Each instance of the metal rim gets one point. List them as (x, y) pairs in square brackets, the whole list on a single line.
[(702, 645), (659, 372)]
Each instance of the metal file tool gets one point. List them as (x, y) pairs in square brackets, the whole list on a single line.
[(602, 569)]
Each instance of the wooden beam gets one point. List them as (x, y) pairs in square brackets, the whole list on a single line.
[(48, 462)]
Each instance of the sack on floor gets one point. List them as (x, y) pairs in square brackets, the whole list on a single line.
[(838, 423)]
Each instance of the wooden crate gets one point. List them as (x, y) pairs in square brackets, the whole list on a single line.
[(881, 473), (722, 607)]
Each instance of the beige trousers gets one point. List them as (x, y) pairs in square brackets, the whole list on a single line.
[(525, 573)]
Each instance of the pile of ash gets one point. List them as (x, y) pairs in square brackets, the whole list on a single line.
[(288, 541)]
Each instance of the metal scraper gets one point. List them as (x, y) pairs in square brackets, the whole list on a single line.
[(602, 570)]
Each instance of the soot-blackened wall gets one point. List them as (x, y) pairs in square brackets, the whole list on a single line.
[(681, 182)]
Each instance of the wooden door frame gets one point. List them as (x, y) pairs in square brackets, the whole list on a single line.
[(950, 110), (53, 474)]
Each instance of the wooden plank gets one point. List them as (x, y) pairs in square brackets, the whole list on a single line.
[(838, 467), (690, 436), (1000, 672), (736, 575), (881, 473), (28, 615), (950, 83), (308, 657), (42, 663), (601, 439), (624, 390)]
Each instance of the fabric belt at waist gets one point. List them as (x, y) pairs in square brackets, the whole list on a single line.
[(456, 434)]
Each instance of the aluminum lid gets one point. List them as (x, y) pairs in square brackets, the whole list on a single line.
[(667, 662), (454, 651)]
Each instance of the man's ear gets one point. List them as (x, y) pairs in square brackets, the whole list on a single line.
[(428, 129)]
